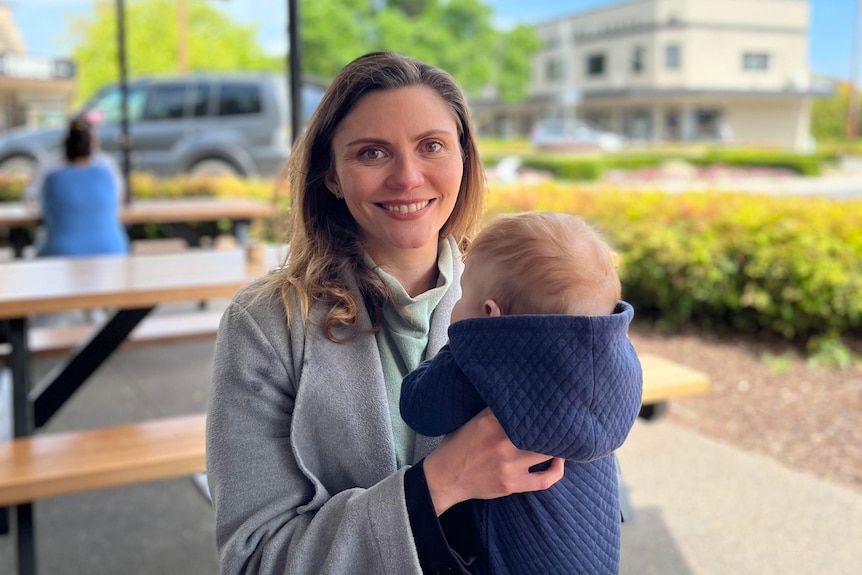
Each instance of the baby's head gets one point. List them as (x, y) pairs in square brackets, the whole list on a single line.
[(538, 263)]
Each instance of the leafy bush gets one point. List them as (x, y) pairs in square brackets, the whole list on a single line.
[(729, 262), (592, 167), (11, 188), (146, 186)]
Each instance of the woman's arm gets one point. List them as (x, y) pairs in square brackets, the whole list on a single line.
[(271, 516)]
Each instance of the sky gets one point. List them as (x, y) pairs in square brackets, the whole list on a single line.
[(44, 24)]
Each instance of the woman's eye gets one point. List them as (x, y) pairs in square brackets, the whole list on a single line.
[(371, 154), (434, 146)]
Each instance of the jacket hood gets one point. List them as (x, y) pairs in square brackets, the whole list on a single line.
[(561, 385)]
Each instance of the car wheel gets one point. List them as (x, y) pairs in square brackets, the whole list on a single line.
[(18, 166), (214, 168)]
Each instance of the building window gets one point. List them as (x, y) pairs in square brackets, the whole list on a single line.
[(595, 65), (554, 70), (755, 61), (673, 57), (708, 123), (638, 63)]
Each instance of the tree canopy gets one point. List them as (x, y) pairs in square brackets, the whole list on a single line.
[(456, 35), (215, 42), (829, 116)]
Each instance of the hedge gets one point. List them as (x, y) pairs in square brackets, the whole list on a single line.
[(591, 167), (729, 262)]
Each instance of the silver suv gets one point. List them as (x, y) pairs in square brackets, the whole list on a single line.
[(210, 124)]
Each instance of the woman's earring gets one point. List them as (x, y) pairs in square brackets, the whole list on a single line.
[(337, 193)]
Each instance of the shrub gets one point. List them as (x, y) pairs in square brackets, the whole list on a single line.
[(729, 262)]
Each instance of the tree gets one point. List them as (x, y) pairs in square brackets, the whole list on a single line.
[(829, 116), (457, 36), (215, 42)]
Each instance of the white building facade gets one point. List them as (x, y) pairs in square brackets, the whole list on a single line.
[(35, 90), (734, 71)]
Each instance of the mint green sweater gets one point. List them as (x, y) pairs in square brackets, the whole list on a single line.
[(403, 340)]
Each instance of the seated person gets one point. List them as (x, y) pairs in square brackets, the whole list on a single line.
[(540, 336), (81, 202)]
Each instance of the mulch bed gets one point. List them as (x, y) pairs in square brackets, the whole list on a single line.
[(766, 398)]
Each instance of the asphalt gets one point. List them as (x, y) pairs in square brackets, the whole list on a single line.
[(701, 507)]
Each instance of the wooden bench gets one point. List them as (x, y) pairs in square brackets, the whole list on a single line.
[(664, 379), (54, 464), (154, 330), (50, 465)]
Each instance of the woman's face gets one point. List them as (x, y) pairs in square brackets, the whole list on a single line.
[(398, 164)]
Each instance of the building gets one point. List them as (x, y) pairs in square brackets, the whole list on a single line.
[(673, 70), (34, 90)]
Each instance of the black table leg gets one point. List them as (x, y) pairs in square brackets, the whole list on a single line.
[(22, 426), (65, 379)]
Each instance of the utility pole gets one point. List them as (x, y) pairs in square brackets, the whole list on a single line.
[(125, 137), (853, 96), (182, 36)]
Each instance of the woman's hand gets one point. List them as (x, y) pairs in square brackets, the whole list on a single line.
[(478, 461)]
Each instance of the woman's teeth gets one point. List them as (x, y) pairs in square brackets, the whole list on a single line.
[(406, 208)]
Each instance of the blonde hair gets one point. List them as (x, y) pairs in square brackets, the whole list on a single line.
[(545, 263), (323, 236)]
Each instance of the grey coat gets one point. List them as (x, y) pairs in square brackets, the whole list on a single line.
[(300, 453)]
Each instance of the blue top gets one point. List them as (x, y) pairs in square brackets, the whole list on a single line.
[(80, 211)]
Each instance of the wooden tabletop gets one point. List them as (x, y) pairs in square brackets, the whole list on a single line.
[(18, 214), (52, 284)]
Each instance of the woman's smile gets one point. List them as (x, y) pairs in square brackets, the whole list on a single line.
[(405, 208)]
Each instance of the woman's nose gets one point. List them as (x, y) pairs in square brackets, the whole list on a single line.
[(406, 173)]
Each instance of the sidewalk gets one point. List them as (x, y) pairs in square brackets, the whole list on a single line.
[(705, 508), (701, 507)]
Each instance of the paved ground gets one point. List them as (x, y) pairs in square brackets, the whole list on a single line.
[(701, 507)]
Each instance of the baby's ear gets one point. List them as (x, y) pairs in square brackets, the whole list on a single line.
[(491, 308)]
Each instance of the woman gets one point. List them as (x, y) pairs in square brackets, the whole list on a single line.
[(310, 466), (81, 202)]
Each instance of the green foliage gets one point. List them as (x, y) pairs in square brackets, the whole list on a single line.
[(456, 36), (215, 43), (790, 267), (830, 352), (829, 116), (593, 167), (12, 188), (568, 168)]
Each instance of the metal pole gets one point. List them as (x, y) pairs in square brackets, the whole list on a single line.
[(295, 71), (125, 139), (853, 95)]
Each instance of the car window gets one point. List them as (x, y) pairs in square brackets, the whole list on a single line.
[(106, 106), (165, 102), (236, 99), (311, 97), (199, 100)]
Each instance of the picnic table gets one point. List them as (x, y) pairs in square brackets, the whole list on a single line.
[(174, 217), (133, 285)]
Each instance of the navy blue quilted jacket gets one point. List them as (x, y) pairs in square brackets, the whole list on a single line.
[(566, 386)]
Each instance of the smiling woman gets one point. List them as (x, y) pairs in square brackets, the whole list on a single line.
[(311, 468)]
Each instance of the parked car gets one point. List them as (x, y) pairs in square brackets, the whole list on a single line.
[(235, 124), (567, 134)]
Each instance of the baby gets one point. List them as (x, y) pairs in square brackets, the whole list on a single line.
[(540, 337)]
